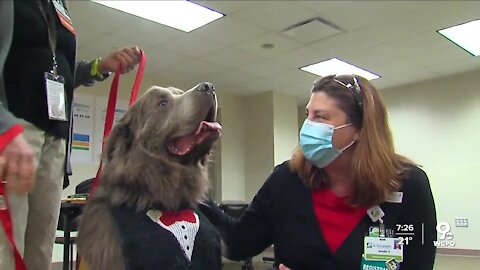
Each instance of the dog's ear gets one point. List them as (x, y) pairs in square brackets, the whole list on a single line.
[(119, 141), (123, 134)]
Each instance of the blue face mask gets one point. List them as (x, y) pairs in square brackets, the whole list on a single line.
[(316, 142)]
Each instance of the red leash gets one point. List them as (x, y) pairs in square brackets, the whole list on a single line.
[(112, 102), (6, 220)]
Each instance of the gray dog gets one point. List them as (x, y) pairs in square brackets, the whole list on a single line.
[(144, 213)]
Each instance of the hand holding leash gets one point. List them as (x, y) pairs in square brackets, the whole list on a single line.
[(125, 58)]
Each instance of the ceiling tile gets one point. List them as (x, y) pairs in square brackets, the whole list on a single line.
[(275, 15), (438, 15), (426, 59), (179, 79), (196, 68), (459, 66), (193, 46), (96, 17), (298, 58), (293, 77), (86, 38), (421, 42), (413, 75), (231, 58), (281, 45), (257, 86), (312, 31), (227, 7), (148, 33), (385, 82), (107, 44), (160, 58), (231, 77), (324, 6), (396, 39), (353, 41), (229, 31), (359, 14), (263, 68)]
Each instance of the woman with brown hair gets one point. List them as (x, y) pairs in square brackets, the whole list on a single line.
[(345, 200)]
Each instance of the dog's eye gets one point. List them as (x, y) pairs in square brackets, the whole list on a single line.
[(163, 102)]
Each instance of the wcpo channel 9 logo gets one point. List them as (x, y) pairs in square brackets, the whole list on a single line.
[(445, 238)]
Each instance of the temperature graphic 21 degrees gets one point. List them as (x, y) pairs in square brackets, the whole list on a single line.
[(405, 233), (445, 238)]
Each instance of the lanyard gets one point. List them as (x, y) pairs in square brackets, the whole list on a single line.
[(48, 16)]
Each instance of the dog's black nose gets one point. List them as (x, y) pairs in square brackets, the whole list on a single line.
[(206, 87)]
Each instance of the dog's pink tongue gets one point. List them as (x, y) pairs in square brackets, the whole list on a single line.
[(181, 146)]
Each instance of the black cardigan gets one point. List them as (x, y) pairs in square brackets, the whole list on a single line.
[(30, 56), (282, 214)]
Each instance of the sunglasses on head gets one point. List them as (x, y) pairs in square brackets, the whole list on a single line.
[(355, 90)]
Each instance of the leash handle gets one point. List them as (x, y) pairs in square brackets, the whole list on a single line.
[(7, 225), (111, 104)]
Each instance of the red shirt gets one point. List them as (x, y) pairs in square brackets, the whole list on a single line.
[(336, 218)]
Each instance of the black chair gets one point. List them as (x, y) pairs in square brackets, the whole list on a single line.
[(70, 213), (235, 209)]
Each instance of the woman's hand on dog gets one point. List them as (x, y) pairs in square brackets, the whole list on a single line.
[(127, 58), (283, 267)]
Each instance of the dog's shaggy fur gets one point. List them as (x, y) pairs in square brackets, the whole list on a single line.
[(142, 170)]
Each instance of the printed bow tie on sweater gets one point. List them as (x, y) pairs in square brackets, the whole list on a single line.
[(182, 224), (168, 218)]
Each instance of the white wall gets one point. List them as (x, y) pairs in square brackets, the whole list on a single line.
[(285, 123), (259, 141), (437, 124), (232, 146)]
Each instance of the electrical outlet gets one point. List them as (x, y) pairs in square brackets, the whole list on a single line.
[(461, 222)]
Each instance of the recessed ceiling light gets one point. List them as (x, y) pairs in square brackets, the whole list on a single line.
[(336, 66), (182, 15), (465, 35)]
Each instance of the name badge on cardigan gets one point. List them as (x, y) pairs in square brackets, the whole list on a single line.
[(55, 86), (383, 249), (395, 197)]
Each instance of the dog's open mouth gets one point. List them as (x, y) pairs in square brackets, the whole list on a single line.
[(183, 145)]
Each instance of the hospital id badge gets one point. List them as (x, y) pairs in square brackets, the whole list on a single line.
[(383, 249), (55, 86)]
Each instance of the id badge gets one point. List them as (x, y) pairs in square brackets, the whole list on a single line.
[(55, 86), (383, 249)]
